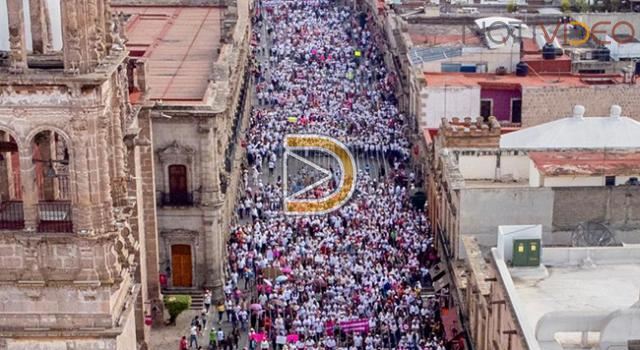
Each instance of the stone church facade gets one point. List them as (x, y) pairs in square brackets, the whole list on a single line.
[(77, 240)]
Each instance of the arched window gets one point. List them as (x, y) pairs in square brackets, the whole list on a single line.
[(50, 157), (11, 209)]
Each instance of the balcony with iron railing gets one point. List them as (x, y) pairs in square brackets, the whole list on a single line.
[(54, 216), (176, 199), (11, 215)]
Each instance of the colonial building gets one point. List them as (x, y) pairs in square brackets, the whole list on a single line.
[(518, 100), (198, 101), (479, 178), (74, 155), (564, 300)]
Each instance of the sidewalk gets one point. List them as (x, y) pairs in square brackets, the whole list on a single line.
[(168, 337)]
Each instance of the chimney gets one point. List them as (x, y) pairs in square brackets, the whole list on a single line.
[(578, 112)]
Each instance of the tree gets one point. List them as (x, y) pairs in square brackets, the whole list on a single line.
[(566, 6), (511, 6), (175, 305), (614, 5), (582, 5)]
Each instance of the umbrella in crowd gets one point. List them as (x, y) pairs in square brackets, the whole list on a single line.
[(281, 279)]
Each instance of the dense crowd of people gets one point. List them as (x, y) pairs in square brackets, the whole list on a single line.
[(353, 278)]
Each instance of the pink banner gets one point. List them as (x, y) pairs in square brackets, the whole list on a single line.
[(328, 327), (361, 325), (292, 338)]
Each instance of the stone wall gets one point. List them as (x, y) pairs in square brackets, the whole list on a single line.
[(34, 343), (541, 105), (486, 303), (618, 206), (482, 210)]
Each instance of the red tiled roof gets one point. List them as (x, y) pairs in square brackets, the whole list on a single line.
[(179, 44), (586, 163)]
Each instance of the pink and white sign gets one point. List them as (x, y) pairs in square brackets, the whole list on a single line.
[(361, 325)]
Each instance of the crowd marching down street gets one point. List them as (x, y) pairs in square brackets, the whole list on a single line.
[(353, 278)]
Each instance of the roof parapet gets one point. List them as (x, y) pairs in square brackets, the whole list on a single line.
[(469, 132)]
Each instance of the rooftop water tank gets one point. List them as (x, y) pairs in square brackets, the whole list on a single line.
[(548, 52), (522, 69)]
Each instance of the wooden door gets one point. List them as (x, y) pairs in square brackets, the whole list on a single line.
[(177, 183), (181, 265)]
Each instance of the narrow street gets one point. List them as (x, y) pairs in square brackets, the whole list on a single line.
[(356, 278)]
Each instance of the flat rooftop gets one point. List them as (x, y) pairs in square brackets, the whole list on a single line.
[(604, 287), (180, 45), (586, 163), (489, 183), (574, 290), (511, 80)]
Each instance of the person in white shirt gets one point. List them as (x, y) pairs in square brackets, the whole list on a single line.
[(193, 336)]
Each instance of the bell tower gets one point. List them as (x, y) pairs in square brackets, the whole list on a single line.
[(76, 35), (71, 203)]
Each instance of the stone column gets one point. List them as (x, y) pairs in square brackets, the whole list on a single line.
[(96, 48), (39, 26), (101, 28), (212, 203), (147, 192), (119, 182), (70, 36), (210, 171), (18, 53), (108, 22), (103, 164), (80, 178), (94, 169), (29, 188)]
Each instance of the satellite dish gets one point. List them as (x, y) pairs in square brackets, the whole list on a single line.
[(593, 234)]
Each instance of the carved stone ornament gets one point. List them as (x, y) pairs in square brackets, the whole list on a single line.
[(180, 236), (11, 97), (79, 124), (115, 34), (72, 41), (16, 55), (176, 153)]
